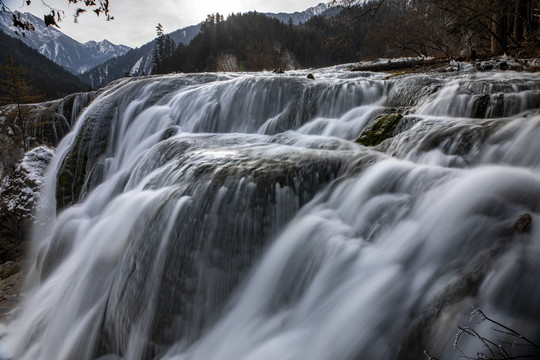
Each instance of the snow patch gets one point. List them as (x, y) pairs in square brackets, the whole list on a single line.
[(35, 162), (20, 190), (135, 69)]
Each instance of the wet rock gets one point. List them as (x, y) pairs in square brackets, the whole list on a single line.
[(481, 106), (406, 123), (523, 224), (87, 150), (310, 76), (408, 91), (382, 129), (485, 66), (168, 133), (503, 63)]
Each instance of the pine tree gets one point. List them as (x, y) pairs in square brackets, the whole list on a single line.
[(163, 51), (158, 48)]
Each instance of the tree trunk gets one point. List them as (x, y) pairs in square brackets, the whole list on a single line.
[(498, 29), (519, 19), (533, 16)]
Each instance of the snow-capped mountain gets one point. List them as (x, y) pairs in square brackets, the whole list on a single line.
[(60, 48), (326, 9), (135, 62)]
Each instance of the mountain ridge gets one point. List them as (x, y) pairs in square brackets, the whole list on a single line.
[(298, 17), (59, 47)]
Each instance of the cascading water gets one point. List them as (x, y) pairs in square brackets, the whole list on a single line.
[(233, 216)]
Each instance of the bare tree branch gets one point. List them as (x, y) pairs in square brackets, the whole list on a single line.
[(497, 350)]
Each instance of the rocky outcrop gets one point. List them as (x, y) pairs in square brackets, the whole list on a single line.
[(418, 64), (46, 124), (19, 192), (398, 64)]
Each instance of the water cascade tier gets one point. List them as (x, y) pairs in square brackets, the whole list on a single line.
[(273, 216)]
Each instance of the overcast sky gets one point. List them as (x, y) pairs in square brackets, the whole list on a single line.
[(135, 20)]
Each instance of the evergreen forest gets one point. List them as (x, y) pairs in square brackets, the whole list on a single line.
[(363, 31)]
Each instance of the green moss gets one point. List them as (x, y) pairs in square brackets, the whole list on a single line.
[(382, 129)]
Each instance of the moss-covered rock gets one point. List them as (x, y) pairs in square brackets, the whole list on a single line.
[(383, 128)]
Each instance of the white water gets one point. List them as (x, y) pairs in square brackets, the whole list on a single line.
[(233, 217)]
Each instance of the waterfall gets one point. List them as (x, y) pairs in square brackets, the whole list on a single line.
[(234, 216)]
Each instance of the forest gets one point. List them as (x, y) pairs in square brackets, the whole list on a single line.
[(48, 79), (363, 31)]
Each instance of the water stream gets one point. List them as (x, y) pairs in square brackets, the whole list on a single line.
[(233, 216)]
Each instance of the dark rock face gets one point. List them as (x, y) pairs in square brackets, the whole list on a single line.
[(11, 284), (19, 192), (21, 186), (88, 147)]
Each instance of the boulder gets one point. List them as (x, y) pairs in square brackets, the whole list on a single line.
[(383, 128), (523, 224)]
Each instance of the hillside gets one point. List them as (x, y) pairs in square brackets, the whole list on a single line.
[(45, 76), (253, 42), (135, 62)]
